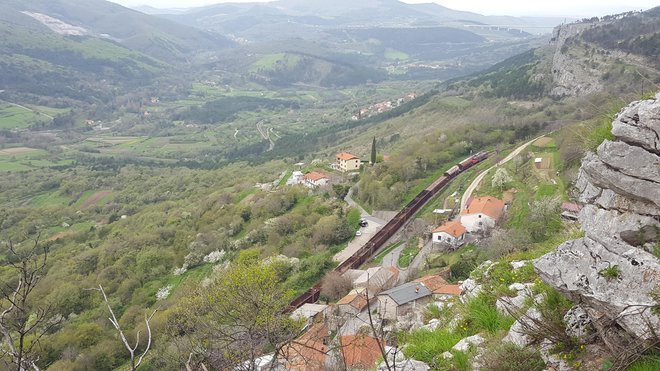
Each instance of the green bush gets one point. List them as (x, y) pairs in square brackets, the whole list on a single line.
[(424, 345), (649, 362), (482, 315)]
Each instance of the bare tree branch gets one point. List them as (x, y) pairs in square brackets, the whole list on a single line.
[(131, 350)]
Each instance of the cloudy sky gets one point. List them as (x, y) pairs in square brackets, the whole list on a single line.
[(573, 8)]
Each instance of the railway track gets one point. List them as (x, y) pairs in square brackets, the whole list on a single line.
[(392, 227)]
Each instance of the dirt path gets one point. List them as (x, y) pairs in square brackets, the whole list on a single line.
[(94, 199), (265, 134), (475, 183)]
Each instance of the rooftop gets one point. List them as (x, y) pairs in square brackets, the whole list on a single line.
[(308, 310), (439, 286), (360, 351), (316, 175), (487, 205), (346, 156), (308, 351), (356, 298), (454, 228), (407, 292)]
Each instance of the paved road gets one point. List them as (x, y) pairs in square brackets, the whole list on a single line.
[(392, 258), (350, 202), (475, 183)]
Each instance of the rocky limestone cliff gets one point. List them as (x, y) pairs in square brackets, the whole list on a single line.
[(611, 272), (571, 76)]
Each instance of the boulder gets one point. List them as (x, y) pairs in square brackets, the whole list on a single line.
[(465, 344), (552, 361), (518, 333), (577, 267), (432, 325), (469, 289), (578, 324), (518, 264), (639, 124)]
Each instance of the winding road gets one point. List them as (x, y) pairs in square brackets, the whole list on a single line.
[(475, 183)]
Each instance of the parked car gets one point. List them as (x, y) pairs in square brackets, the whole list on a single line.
[(363, 223), (358, 233)]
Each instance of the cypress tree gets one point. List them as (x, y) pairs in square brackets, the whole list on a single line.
[(373, 151)]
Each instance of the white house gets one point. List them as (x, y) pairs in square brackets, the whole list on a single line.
[(315, 179), (482, 213), (452, 233), (295, 178)]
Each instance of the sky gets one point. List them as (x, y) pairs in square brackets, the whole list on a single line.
[(562, 8)]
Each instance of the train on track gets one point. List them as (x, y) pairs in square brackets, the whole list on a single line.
[(402, 217)]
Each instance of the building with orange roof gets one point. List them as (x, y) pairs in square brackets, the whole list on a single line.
[(347, 162), (310, 351), (482, 213), (360, 352), (452, 233), (438, 286), (315, 179), (354, 302)]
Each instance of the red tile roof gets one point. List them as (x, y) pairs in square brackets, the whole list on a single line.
[(315, 176), (308, 352), (347, 156), (437, 285), (454, 228), (490, 206), (356, 299), (360, 351)]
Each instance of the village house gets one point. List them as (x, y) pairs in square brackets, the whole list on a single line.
[(311, 313), (403, 299), (353, 303), (451, 233), (360, 352), (439, 287), (309, 352), (481, 213), (315, 179), (347, 162), (377, 279), (295, 178)]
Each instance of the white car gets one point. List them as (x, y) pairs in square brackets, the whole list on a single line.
[(358, 233)]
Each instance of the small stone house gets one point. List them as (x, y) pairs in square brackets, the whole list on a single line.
[(439, 287), (482, 213), (377, 279), (353, 303), (311, 313), (403, 299), (347, 162), (451, 233)]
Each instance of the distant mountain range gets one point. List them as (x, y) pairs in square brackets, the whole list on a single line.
[(239, 18), (156, 37)]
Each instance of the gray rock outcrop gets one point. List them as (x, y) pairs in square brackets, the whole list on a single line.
[(611, 272), (569, 76)]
